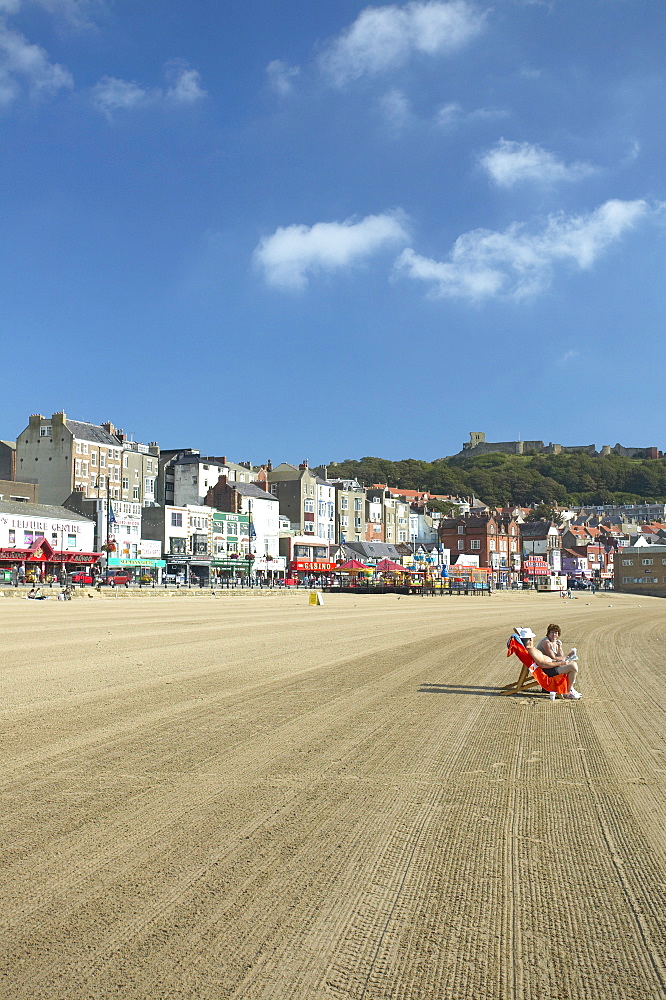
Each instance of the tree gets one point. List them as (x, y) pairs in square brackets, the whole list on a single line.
[(544, 512)]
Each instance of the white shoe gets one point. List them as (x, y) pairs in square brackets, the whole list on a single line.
[(574, 694)]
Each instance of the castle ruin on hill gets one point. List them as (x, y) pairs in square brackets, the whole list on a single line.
[(477, 445)]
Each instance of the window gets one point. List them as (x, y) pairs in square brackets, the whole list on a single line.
[(77, 467), (646, 562), (357, 503), (78, 447), (176, 519), (344, 521), (149, 485), (102, 460), (274, 489), (84, 468), (461, 529), (627, 562), (45, 431), (344, 503), (491, 545), (149, 465), (85, 448), (461, 544), (476, 544), (357, 523), (125, 461), (135, 493), (308, 506), (93, 458), (377, 527), (125, 483)]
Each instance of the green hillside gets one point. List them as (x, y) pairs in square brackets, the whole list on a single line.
[(499, 479)]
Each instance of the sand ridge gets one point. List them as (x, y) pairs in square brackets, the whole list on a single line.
[(262, 799)]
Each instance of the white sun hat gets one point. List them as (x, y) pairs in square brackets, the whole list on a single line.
[(526, 633)]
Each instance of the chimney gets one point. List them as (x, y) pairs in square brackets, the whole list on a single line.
[(108, 427), (269, 466), (304, 464)]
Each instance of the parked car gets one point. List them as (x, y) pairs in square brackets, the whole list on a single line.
[(117, 579), (81, 578)]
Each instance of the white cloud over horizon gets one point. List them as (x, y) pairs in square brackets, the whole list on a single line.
[(112, 94), (292, 253), (509, 163), (384, 38), (26, 66), (281, 76), (518, 264)]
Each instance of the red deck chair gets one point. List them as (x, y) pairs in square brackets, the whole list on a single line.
[(530, 675)]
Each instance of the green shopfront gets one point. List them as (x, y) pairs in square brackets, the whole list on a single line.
[(230, 544)]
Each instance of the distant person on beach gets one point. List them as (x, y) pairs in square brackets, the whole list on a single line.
[(551, 665)]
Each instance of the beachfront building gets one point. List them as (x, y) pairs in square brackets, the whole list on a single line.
[(19, 492), (230, 536), (42, 541), (308, 558), (641, 569), (118, 525), (349, 510), (295, 488), (194, 475), (263, 511), (492, 538), (64, 455), (185, 535), (543, 539)]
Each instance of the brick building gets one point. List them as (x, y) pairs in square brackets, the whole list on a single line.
[(495, 539)]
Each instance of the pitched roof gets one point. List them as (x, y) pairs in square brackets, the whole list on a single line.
[(373, 550), (252, 490), (92, 432), (20, 509)]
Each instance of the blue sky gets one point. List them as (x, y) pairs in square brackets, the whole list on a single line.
[(297, 229)]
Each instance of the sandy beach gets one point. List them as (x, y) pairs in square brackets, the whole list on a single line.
[(249, 797)]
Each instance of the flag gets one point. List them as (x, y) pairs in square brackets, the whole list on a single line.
[(112, 517), (253, 533), (343, 540)]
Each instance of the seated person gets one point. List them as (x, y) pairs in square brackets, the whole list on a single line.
[(552, 665), (551, 645)]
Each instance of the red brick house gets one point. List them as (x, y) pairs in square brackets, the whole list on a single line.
[(494, 538)]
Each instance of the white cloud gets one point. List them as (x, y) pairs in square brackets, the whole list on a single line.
[(186, 86), (112, 94), (517, 263), (396, 109), (448, 114), (567, 357), (509, 163), (76, 12), (384, 38), (24, 65), (292, 253), (281, 76)]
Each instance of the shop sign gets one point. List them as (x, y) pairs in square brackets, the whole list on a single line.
[(312, 565), (150, 563)]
